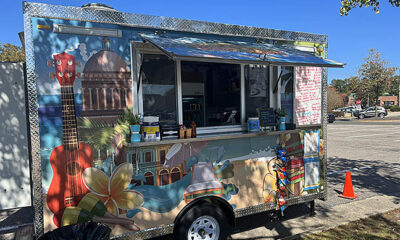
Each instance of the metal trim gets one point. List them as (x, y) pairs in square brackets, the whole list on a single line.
[(36, 171), (164, 23), (147, 233), (242, 95), (179, 91), (232, 61), (134, 77), (90, 31)]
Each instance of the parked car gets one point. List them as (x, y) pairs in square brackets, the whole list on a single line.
[(331, 117), (338, 110), (345, 109), (370, 112)]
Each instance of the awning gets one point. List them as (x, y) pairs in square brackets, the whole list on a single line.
[(202, 49)]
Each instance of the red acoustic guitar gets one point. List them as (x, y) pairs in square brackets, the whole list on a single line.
[(69, 159)]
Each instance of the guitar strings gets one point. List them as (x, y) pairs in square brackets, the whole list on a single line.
[(74, 130), (65, 122)]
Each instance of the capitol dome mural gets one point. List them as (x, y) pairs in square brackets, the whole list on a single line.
[(106, 85)]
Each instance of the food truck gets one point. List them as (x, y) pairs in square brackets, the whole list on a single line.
[(232, 120)]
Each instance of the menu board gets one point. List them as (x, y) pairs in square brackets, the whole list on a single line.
[(308, 95), (267, 117)]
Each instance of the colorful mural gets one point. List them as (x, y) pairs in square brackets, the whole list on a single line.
[(84, 85)]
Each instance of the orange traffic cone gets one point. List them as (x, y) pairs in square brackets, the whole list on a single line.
[(348, 188)]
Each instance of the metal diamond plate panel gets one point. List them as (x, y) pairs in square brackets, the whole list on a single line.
[(166, 23), (34, 126), (147, 233)]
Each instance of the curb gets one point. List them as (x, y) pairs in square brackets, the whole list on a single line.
[(345, 119)]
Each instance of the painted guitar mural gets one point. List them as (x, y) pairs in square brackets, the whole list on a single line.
[(70, 159)]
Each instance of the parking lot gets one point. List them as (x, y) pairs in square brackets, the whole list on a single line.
[(371, 151)]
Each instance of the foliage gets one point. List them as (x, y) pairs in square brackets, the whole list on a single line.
[(103, 135), (347, 5), (100, 133), (375, 78), (394, 86), (129, 117), (11, 53), (335, 100), (395, 108), (342, 86), (281, 112)]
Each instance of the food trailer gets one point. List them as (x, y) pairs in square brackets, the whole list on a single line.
[(233, 120)]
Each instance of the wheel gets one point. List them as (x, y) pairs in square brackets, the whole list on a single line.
[(381, 115), (361, 116), (203, 222)]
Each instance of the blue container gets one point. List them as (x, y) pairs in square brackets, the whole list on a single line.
[(135, 137), (135, 133), (282, 123), (253, 125), (135, 129)]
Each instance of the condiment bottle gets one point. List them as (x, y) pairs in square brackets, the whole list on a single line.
[(181, 131), (193, 127), (188, 133)]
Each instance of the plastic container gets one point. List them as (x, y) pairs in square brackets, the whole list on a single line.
[(151, 129), (282, 124), (135, 133), (253, 124)]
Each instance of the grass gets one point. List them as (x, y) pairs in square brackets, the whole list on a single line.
[(383, 226)]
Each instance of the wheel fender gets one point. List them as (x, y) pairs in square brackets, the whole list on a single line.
[(218, 201)]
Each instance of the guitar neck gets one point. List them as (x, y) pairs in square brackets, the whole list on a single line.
[(70, 133)]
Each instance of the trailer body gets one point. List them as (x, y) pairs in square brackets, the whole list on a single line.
[(87, 65)]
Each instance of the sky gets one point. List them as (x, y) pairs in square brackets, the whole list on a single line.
[(349, 37)]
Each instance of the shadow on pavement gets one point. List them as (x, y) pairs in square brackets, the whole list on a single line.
[(269, 220), (272, 222)]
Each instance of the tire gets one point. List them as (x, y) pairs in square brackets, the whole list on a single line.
[(361, 116), (381, 115), (204, 220)]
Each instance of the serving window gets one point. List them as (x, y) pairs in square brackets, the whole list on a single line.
[(159, 87), (212, 94), (286, 92), (256, 89)]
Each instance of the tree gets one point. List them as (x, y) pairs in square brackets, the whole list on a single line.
[(375, 77), (347, 5), (11, 53), (341, 85), (335, 100), (356, 86), (394, 86)]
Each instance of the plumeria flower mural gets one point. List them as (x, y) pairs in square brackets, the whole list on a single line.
[(112, 191)]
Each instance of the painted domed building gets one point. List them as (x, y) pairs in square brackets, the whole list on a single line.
[(106, 84)]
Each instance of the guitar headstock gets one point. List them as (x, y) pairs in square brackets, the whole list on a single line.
[(64, 65)]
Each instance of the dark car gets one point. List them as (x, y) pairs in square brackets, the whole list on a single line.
[(331, 117), (370, 112)]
